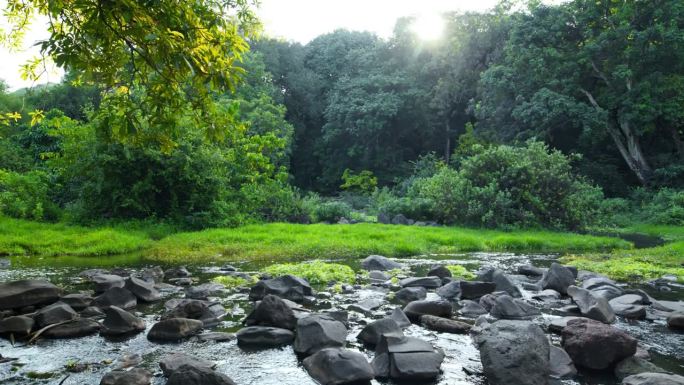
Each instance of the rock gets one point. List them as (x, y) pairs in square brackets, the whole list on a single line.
[(439, 271), (77, 302), (633, 365), (561, 365), (400, 318), (547, 295), (104, 282), (506, 307), (514, 352), (630, 311), (203, 291), (530, 270), (118, 297), (92, 312), (414, 310), (216, 337), (135, 376), (669, 306), (287, 287), (384, 219), (400, 219), (653, 379), (174, 329), (366, 306), (410, 294), (603, 287), (316, 332), (144, 290), (630, 299), (264, 336), (471, 309), (335, 366), (177, 272), (558, 324), (19, 294), (54, 314), (505, 283), (20, 325), (450, 291), (73, 329), (193, 375), (119, 322), (377, 276), (487, 301), (426, 282), (406, 359), (591, 306), (207, 312), (378, 262), (181, 281), (173, 362), (272, 311), (371, 334), (476, 289), (153, 274), (444, 325), (557, 278), (676, 320), (595, 345)]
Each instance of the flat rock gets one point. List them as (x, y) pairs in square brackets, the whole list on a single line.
[(335, 366), (319, 331), (216, 337), (53, 314), (203, 291), (409, 294), (77, 302), (400, 318), (116, 296), (378, 262), (287, 287), (561, 365), (173, 362), (197, 375), (476, 289), (372, 333), (104, 282), (507, 307), (444, 325), (558, 324), (32, 292), (471, 309), (135, 376), (174, 329), (73, 329), (653, 379), (426, 282), (634, 365), (264, 336), (414, 310)]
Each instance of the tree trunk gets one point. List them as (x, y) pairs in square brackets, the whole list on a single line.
[(677, 139), (447, 149)]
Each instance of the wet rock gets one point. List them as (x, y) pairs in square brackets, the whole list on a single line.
[(366, 306), (450, 291), (557, 278), (629, 311), (487, 301), (208, 312), (173, 362), (377, 276), (135, 376), (530, 270), (118, 322), (335, 366), (669, 306), (153, 274), (426, 282), (514, 352), (603, 287), (406, 359), (414, 310), (287, 287), (371, 334), (633, 365), (77, 302), (439, 271), (272, 311), (476, 289), (193, 375), (471, 309), (595, 345), (203, 291), (676, 320), (653, 379), (410, 294), (558, 324), (561, 365), (317, 332), (118, 297), (92, 312), (174, 329), (504, 283), (444, 325), (143, 290), (19, 294), (18, 325), (53, 314), (264, 336), (378, 262), (592, 306), (547, 295), (73, 329), (104, 282), (507, 307), (630, 299), (400, 318), (177, 272), (216, 337)]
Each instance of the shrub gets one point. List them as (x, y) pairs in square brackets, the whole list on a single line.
[(414, 208), (316, 272), (662, 207), (26, 195), (364, 182), (330, 211), (460, 272)]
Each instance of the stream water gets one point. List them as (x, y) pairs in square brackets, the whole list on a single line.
[(45, 362)]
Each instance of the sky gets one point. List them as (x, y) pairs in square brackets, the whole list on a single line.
[(297, 20)]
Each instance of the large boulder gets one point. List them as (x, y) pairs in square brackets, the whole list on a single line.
[(414, 310), (440, 271), (409, 294), (116, 296), (400, 318), (135, 376), (592, 306), (198, 375), (504, 283), (476, 289), (561, 365), (450, 291), (595, 345), (104, 282), (514, 352), (471, 309), (287, 287), (77, 302), (73, 329), (203, 291), (272, 311), (19, 325), (426, 282), (406, 359), (174, 329), (557, 278), (507, 307), (18, 294), (173, 362), (653, 379), (208, 312), (371, 334), (675, 320), (54, 314), (318, 331), (444, 325), (264, 336), (635, 365), (118, 322), (335, 366), (143, 290), (603, 287), (378, 262)]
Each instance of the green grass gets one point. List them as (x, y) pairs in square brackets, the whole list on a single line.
[(291, 242), (20, 237)]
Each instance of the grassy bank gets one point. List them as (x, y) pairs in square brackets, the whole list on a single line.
[(639, 264), (278, 241)]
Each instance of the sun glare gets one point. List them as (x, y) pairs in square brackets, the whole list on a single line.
[(428, 27)]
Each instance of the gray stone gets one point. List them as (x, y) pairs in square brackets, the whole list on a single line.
[(450, 291), (372, 333), (136, 376), (54, 314), (410, 294), (561, 365), (19, 294), (77, 302), (19, 325), (504, 283), (264, 336), (592, 306), (634, 365), (444, 325), (471, 309), (653, 379), (558, 324), (116, 296), (507, 307), (73, 329), (144, 290), (415, 366), (194, 375), (153, 274), (335, 366), (377, 276), (595, 345), (119, 322), (272, 311), (439, 271), (173, 362), (476, 289), (216, 337), (530, 270), (378, 262), (174, 329), (208, 312), (317, 332), (414, 310), (557, 278), (426, 282), (400, 219), (400, 318), (676, 320), (104, 282), (203, 291), (287, 287)]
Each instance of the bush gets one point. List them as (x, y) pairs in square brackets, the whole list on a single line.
[(662, 207), (26, 195), (331, 211), (316, 272), (506, 186), (414, 208), (364, 182)]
